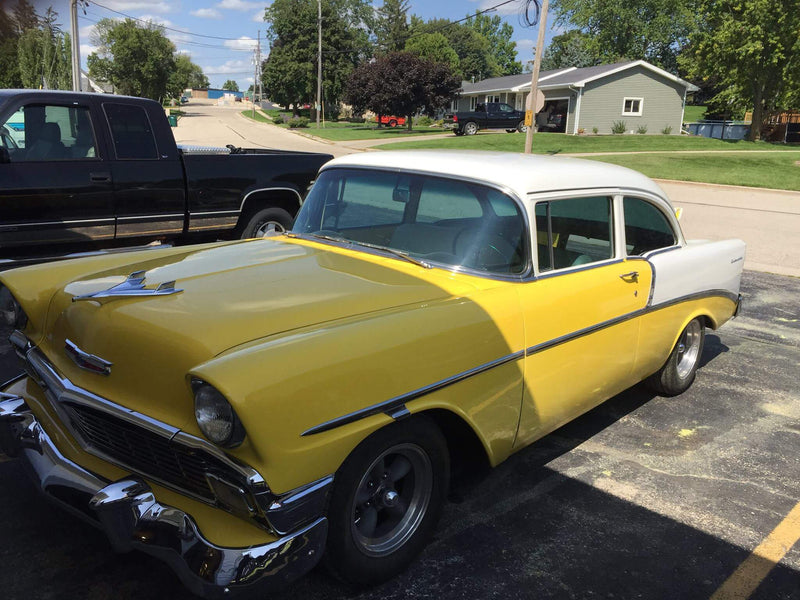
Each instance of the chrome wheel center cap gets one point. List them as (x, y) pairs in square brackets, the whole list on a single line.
[(390, 498)]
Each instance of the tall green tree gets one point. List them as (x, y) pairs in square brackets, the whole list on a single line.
[(289, 74), (186, 74), (750, 50), (9, 67), (401, 83), (475, 60), (435, 48), (391, 25), (44, 55), (137, 59), (651, 30), (230, 85), (25, 16), (570, 49), (501, 47)]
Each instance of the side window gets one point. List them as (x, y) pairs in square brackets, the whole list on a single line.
[(365, 199), (646, 227), (39, 132), (130, 131), (574, 231), (441, 200)]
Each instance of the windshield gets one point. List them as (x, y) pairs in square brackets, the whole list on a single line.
[(436, 220)]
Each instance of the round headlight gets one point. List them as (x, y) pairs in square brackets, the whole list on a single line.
[(215, 416), (11, 312)]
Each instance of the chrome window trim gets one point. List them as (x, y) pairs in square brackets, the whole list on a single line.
[(526, 275), (388, 406)]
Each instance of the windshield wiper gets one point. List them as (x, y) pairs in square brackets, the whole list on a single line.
[(398, 253)]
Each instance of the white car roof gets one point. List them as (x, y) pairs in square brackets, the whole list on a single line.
[(522, 173)]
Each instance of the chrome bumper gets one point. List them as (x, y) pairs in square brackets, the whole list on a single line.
[(132, 518)]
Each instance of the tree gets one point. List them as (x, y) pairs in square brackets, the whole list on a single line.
[(231, 86), (44, 55), (401, 83), (25, 16), (570, 49), (9, 68), (651, 30), (433, 47), (137, 59), (186, 74), (475, 60), (750, 50), (501, 48), (391, 25), (289, 75)]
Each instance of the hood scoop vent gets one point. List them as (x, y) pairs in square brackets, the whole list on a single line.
[(132, 287)]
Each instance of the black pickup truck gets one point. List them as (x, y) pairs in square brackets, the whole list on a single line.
[(489, 115), (83, 171)]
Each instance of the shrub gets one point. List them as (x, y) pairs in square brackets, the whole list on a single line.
[(278, 120), (595, 130), (423, 121), (667, 130), (298, 122), (642, 129), (619, 127), (356, 120), (581, 131)]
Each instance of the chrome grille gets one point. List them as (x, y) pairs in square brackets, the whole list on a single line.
[(147, 453)]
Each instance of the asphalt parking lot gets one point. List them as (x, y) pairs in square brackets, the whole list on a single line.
[(644, 497)]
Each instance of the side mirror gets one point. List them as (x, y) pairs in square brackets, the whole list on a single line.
[(5, 157)]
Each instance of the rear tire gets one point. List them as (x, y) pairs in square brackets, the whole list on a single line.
[(392, 123), (266, 222), (470, 128), (386, 501), (678, 373)]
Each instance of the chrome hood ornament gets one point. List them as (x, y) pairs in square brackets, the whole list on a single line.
[(132, 287)]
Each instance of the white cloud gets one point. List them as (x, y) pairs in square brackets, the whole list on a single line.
[(239, 5), (512, 8), (207, 13), (157, 6), (230, 67), (259, 16), (243, 43), (86, 50)]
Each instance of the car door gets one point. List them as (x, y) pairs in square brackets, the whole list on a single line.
[(581, 311), (56, 187), (148, 182)]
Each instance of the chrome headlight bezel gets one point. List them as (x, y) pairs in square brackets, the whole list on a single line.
[(215, 416), (11, 313)]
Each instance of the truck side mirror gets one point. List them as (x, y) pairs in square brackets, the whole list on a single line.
[(5, 157)]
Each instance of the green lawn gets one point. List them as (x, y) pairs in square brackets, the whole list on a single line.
[(259, 117), (692, 114), (778, 171), (558, 143)]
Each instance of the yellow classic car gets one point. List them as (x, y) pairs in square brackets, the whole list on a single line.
[(242, 410)]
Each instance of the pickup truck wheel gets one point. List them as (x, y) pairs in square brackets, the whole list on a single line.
[(470, 128), (392, 123), (267, 221), (521, 127), (386, 501), (679, 371)]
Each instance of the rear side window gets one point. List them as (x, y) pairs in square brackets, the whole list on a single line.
[(43, 132), (573, 232), (441, 199), (130, 131), (646, 227)]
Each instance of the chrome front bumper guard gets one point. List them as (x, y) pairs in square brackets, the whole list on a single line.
[(132, 518)]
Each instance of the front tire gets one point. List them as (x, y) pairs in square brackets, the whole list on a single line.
[(521, 127), (678, 373), (266, 222), (392, 123), (386, 501)]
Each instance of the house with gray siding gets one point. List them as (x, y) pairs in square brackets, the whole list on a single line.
[(579, 100)]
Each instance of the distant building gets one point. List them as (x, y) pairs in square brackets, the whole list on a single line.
[(580, 100), (213, 93)]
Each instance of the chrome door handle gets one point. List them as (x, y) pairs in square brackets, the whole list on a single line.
[(632, 276)]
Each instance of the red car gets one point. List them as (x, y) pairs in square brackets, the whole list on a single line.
[(390, 120)]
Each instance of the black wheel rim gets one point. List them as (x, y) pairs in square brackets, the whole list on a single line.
[(391, 499)]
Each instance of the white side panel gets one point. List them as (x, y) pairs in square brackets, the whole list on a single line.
[(700, 266)]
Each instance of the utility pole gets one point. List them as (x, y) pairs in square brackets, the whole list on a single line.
[(260, 74), (256, 53), (319, 59), (537, 63), (76, 46)]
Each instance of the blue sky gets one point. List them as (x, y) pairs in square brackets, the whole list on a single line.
[(238, 21)]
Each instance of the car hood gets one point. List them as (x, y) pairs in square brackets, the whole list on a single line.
[(230, 295)]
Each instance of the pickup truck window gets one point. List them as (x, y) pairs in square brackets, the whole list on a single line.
[(39, 132), (646, 227), (574, 231), (131, 131)]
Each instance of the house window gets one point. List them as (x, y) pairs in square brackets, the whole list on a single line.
[(493, 98), (632, 107), (473, 102)]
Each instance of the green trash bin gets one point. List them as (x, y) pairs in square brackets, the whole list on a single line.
[(173, 120)]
